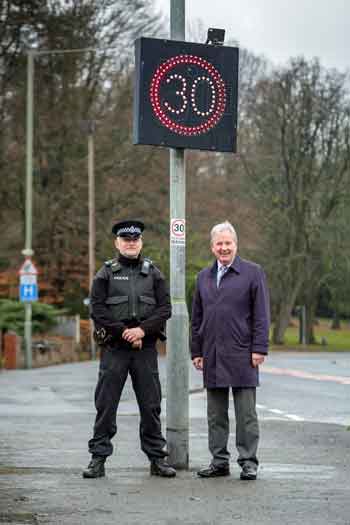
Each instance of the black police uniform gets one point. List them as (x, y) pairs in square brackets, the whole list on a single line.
[(128, 293)]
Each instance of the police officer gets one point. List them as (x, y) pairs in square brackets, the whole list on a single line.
[(130, 304)]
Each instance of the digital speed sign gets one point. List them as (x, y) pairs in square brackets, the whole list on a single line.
[(185, 95)]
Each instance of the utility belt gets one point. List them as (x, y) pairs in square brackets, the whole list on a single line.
[(103, 338), (110, 342)]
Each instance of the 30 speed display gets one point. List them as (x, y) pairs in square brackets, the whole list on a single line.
[(185, 95)]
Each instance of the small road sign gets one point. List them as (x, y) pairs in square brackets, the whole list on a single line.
[(28, 268), (28, 286), (178, 231), (28, 292)]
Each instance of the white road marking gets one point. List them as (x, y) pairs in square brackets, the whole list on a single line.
[(198, 408), (294, 418), (275, 411), (278, 412)]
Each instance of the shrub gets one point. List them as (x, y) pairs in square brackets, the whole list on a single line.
[(12, 316)]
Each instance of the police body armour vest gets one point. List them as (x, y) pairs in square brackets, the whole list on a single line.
[(131, 290)]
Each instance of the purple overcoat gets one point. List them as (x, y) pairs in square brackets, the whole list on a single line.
[(229, 323)]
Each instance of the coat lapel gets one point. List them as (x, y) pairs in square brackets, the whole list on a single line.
[(213, 276)]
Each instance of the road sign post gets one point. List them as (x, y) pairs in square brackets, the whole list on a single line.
[(28, 252), (185, 97)]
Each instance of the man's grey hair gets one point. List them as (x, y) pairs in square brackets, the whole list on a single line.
[(223, 227)]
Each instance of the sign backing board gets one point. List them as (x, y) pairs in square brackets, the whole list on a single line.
[(178, 231), (185, 95), (28, 287)]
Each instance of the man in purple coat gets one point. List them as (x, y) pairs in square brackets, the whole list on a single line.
[(230, 336)]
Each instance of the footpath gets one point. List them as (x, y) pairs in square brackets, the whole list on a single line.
[(46, 419)]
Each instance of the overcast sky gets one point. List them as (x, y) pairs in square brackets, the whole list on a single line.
[(279, 29)]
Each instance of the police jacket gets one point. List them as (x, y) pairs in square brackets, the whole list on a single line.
[(127, 293)]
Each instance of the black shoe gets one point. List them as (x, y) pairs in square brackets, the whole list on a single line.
[(214, 472), (96, 468), (248, 472), (159, 467)]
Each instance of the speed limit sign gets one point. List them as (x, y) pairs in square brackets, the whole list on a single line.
[(178, 231), (185, 95)]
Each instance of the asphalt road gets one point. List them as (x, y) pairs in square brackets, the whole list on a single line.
[(304, 477)]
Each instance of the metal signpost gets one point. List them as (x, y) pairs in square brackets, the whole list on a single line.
[(177, 402), (92, 225), (29, 289), (90, 126), (185, 97), (28, 251), (28, 292)]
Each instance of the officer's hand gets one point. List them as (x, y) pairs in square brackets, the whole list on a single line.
[(198, 363), (137, 344), (257, 359), (133, 334)]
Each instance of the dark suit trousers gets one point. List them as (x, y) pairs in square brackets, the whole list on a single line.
[(247, 428), (115, 365)]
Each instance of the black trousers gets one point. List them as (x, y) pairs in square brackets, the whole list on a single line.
[(115, 365)]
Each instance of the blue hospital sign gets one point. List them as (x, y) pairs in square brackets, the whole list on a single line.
[(28, 286), (185, 95), (28, 292)]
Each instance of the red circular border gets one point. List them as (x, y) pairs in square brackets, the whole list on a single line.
[(182, 234), (155, 98)]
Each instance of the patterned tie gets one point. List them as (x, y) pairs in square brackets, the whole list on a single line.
[(221, 272)]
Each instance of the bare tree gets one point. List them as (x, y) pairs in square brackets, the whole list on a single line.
[(70, 87), (300, 174)]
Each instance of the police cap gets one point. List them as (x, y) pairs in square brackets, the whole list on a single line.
[(131, 229)]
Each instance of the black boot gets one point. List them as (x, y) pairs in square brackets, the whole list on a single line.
[(96, 468), (159, 467)]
